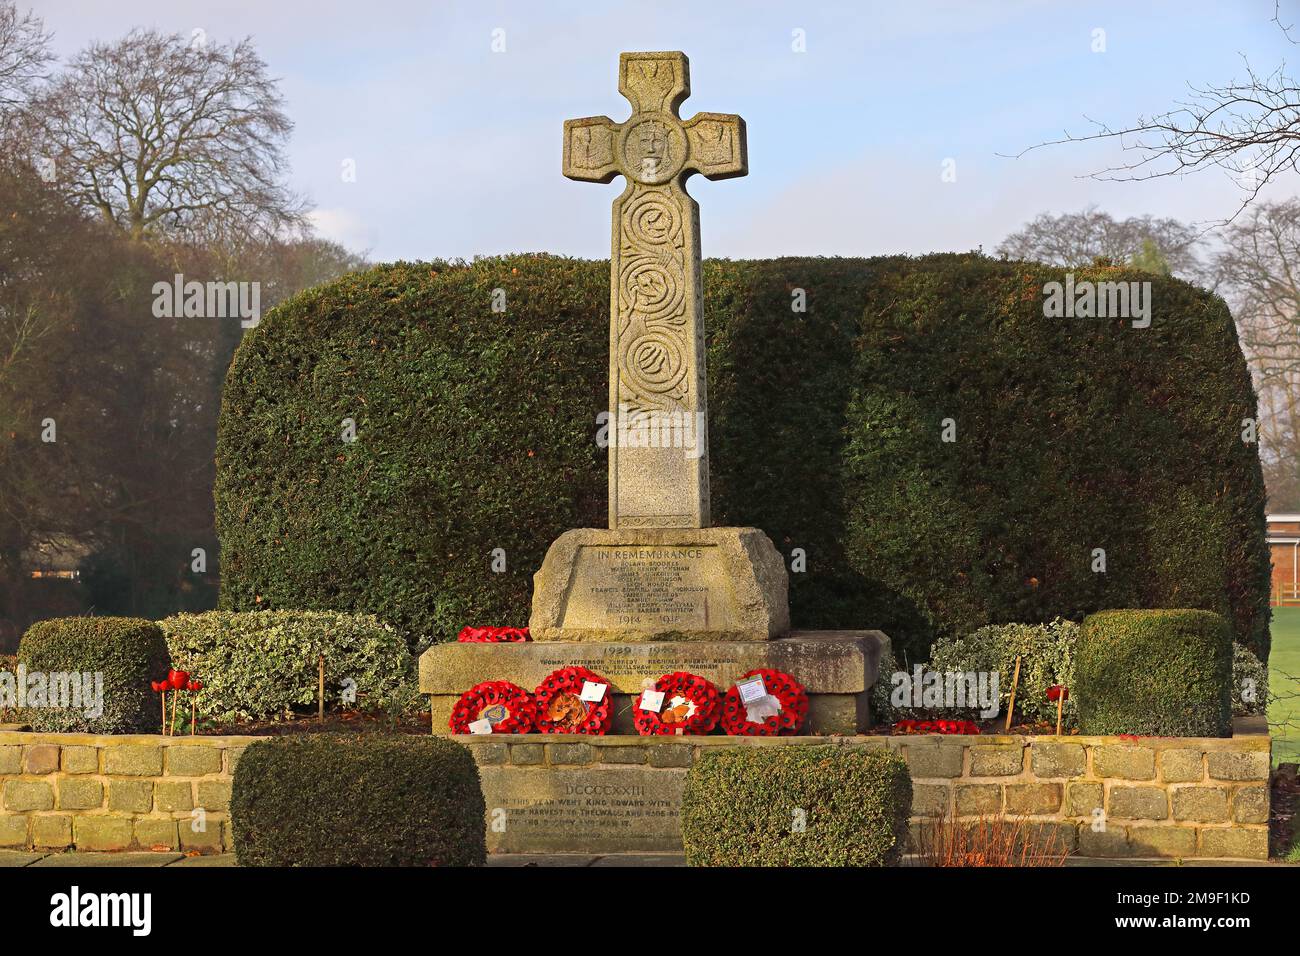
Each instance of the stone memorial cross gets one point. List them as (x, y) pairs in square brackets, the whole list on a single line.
[(658, 451)]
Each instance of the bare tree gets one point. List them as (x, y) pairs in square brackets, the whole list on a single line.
[(158, 136), (1074, 240), (1249, 127), (1258, 270), (24, 53)]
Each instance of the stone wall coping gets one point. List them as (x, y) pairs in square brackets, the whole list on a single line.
[(1238, 742), (118, 740)]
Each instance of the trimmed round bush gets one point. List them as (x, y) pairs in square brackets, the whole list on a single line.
[(1160, 673), (1046, 654), (796, 806), (378, 800), (259, 665), (128, 652), (476, 430)]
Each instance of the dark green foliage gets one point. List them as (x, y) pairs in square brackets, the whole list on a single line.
[(129, 652), (796, 806), (1161, 673), (1072, 434), (476, 431), (336, 800)]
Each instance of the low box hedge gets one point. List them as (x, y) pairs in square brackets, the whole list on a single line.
[(1046, 655), (129, 652), (338, 800), (1162, 673), (796, 806), (259, 665)]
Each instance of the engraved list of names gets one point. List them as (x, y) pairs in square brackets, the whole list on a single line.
[(648, 586)]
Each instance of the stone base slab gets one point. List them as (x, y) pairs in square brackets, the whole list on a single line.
[(655, 584), (837, 668), (825, 662)]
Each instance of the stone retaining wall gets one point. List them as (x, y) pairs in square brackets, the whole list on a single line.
[(97, 792), (1105, 796)]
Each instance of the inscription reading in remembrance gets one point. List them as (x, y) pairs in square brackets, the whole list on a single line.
[(649, 586)]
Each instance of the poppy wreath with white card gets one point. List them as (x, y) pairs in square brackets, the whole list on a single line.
[(495, 707), (564, 704), (779, 711), (687, 705)]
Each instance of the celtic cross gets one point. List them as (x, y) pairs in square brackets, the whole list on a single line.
[(658, 452)]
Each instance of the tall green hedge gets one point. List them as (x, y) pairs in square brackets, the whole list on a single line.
[(475, 431)]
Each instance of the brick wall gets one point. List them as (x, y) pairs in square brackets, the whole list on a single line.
[(98, 792)]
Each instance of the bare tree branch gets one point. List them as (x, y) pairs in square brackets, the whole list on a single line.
[(24, 52), (1257, 269), (1248, 127)]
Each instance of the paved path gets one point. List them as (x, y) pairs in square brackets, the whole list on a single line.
[(38, 858)]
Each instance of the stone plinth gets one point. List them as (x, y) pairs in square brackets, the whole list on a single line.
[(657, 584), (837, 668)]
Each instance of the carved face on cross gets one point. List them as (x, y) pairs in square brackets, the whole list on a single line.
[(654, 144)]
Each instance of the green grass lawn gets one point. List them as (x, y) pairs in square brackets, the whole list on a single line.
[(1284, 715)]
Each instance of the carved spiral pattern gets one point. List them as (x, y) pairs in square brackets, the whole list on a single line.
[(652, 290), (653, 221), (651, 282), (653, 361)]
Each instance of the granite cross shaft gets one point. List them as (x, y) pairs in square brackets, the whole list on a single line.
[(658, 451)]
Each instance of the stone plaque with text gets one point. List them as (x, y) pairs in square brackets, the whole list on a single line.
[(583, 809), (683, 584), (642, 586)]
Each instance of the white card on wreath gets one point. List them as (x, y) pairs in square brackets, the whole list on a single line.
[(761, 709), (752, 689), (481, 726), (652, 700), (592, 692)]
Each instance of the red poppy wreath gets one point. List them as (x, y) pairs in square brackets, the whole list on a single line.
[(689, 705), (507, 707), (492, 635), (561, 709), (780, 712)]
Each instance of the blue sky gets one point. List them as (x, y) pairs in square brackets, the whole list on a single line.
[(457, 148)]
